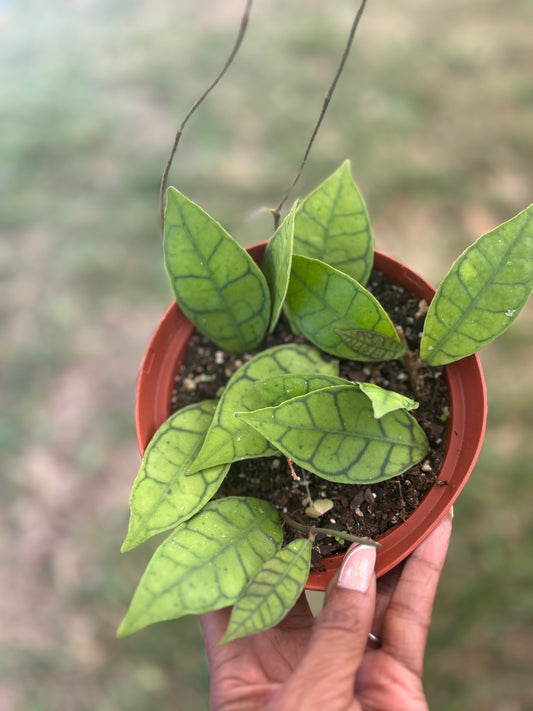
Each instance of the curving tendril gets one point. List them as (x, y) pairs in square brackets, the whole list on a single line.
[(240, 36), (277, 211)]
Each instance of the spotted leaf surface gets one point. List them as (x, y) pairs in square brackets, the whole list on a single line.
[(332, 225), (372, 346), (216, 283), (229, 439), (323, 301), (334, 434), (206, 563), (277, 265), (279, 388), (162, 496), (384, 401), (272, 592), (482, 294)]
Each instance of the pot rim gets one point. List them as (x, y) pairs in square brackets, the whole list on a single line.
[(465, 426)]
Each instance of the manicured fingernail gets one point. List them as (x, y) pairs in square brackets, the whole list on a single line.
[(450, 514), (357, 568)]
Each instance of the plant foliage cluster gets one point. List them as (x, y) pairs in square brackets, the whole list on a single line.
[(290, 398)]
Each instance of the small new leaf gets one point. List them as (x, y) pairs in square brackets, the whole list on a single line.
[(334, 434), (372, 346), (229, 439), (163, 496), (216, 283), (332, 225), (322, 302), (277, 265), (206, 563), (384, 401), (272, 592), (318, 508), (482, 294)]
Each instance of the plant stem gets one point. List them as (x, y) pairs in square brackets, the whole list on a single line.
[(240, 36), (307, 489), (313, 530), (410, 361), (277, 211)]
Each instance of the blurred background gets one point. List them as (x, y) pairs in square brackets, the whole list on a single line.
[(435, 111)]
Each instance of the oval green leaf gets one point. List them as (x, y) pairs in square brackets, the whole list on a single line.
[(323, 302), (206, 563), (272, 592), (334, 434), (277, 265), (279, 388), (384, 401), (216, 283), (332, 225), (163, 496), (372, 346), (482, 294), (229, 439)]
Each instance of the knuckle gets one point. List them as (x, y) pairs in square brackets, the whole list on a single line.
[(335, 619), (410, 613)]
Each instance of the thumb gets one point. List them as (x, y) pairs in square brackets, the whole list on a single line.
[(346, 619), (340, 632)]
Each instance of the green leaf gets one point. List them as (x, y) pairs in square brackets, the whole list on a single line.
[(332, 225), (229, 439), (319, 507), (323, 301), (272, 592), (384, 401), (216, 283), (277, 265), (372, 346), (279, 388), (334, 434), (162, 496), (482, 294), (206, 563)]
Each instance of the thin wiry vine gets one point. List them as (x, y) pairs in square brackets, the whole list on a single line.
[(240, 36), (277, 211)]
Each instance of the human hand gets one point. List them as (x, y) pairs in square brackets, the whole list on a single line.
[(329, 662)]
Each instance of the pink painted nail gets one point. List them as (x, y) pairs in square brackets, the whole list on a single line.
[(357, 567)]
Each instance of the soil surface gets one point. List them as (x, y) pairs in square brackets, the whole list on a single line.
[(362, 510)]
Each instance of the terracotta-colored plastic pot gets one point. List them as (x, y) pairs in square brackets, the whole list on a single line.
[(465, 427)]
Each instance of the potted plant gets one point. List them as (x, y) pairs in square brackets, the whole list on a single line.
[(291, 398)]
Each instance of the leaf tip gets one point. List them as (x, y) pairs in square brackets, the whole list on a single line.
[(132, 540), (137, 533), (123, 629)]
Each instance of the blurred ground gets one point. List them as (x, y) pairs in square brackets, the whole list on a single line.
[(435, 111)]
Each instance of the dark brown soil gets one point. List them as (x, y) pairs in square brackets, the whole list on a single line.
[(360, 510)]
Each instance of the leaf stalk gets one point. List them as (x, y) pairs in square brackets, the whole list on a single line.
[(315, 530)]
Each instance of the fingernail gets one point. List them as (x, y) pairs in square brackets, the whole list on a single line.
[(357, 568), (450, 514)]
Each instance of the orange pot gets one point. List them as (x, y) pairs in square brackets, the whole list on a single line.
[(465, 427)]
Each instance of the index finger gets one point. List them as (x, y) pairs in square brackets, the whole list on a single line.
[(407, 619)]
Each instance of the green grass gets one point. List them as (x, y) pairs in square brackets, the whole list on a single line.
[(434, 110)]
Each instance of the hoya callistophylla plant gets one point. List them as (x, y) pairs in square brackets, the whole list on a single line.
[(290, 399)]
